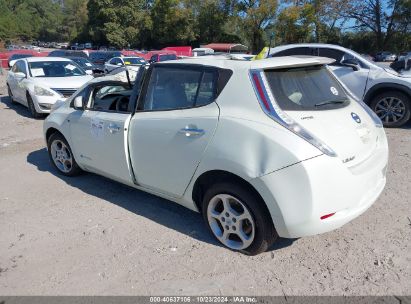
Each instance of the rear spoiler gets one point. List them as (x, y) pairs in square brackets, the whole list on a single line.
[(290, 62)]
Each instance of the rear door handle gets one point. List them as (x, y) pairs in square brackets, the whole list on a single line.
[(113, 128), (190, 131)]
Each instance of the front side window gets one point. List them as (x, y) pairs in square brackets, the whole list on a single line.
[(21, 67), (110, 97), (55, 69), (179, 88), (306, 88)]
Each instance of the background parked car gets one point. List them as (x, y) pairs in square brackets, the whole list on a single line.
[(385, 56), (101, 57), (403, 55), (86, 65), (67, 53), (162, 57), (18, 56), (116, 62), (38, 82), (386, 92)]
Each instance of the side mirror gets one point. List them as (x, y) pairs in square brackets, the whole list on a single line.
[(78, 103), (20, 75), (352, 63), (119, 64), (89, 72)]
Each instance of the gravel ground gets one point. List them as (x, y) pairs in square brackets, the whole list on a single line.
[(89, 235)]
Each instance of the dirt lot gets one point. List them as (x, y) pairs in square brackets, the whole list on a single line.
[(89, 235)]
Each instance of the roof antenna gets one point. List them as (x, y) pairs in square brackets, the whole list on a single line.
[(269, 47)]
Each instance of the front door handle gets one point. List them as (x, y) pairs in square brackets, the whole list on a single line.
[(113, 128), (190, 131)]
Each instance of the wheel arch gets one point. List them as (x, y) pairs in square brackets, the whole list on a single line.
[(50, 131), (384, 87), (208, 178)]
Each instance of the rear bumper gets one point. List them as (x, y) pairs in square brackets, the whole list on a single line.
[(298, 196)]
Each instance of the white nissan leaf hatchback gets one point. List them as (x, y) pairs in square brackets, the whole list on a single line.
[(267, 148)]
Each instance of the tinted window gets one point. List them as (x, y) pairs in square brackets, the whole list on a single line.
[(333, 54), (167, 57), (306, 88), (296, 51), (21, 67), (177, 88)]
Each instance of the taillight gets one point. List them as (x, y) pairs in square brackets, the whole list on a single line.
[(271, 108)]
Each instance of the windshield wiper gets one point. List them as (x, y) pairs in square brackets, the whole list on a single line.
[(328, 102)]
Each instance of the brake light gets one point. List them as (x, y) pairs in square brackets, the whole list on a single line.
[(326, 216), (272, 109), (260, 92)]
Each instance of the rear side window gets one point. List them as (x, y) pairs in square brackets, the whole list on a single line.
[(306, 88), (179, 88)]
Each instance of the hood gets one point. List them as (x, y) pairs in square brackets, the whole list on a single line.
[(72, 82)]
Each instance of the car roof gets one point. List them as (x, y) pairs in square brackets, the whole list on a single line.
[(231, 62), (40, 59)]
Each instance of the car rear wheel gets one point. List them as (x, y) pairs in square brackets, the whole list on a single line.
[(61, 156), (393, 108), (237, 218), (32, 108)]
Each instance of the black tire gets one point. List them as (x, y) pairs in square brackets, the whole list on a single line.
[(75, 169), (265, 233), (32, 108), (10, 94), (378, 100)]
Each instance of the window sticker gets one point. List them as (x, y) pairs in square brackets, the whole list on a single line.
[(334, 91), (97, 128), (70, 67), (88, 64), (37, 72)]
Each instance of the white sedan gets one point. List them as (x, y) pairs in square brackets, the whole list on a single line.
[(38, 82), (117, 62), (265, 148)]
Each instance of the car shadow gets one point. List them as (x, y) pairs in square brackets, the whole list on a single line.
[(17, 107), (159, 210)]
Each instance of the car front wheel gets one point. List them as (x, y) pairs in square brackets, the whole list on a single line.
[(393, 108), (238, 218), (61, 156), (10, 94), (32, 108)]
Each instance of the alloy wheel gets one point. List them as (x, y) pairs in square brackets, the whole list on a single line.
[(231, 222), (390, 109), (61, 155)]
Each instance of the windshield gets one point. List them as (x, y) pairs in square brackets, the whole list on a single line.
[(306, 88), (133, 60), (84, 63), (55, 69)]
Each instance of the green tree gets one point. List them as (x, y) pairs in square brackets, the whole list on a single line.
[(118, 23), (253, 17)]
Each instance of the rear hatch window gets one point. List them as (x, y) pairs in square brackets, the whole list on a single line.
[(315, 100), (306, 88)]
